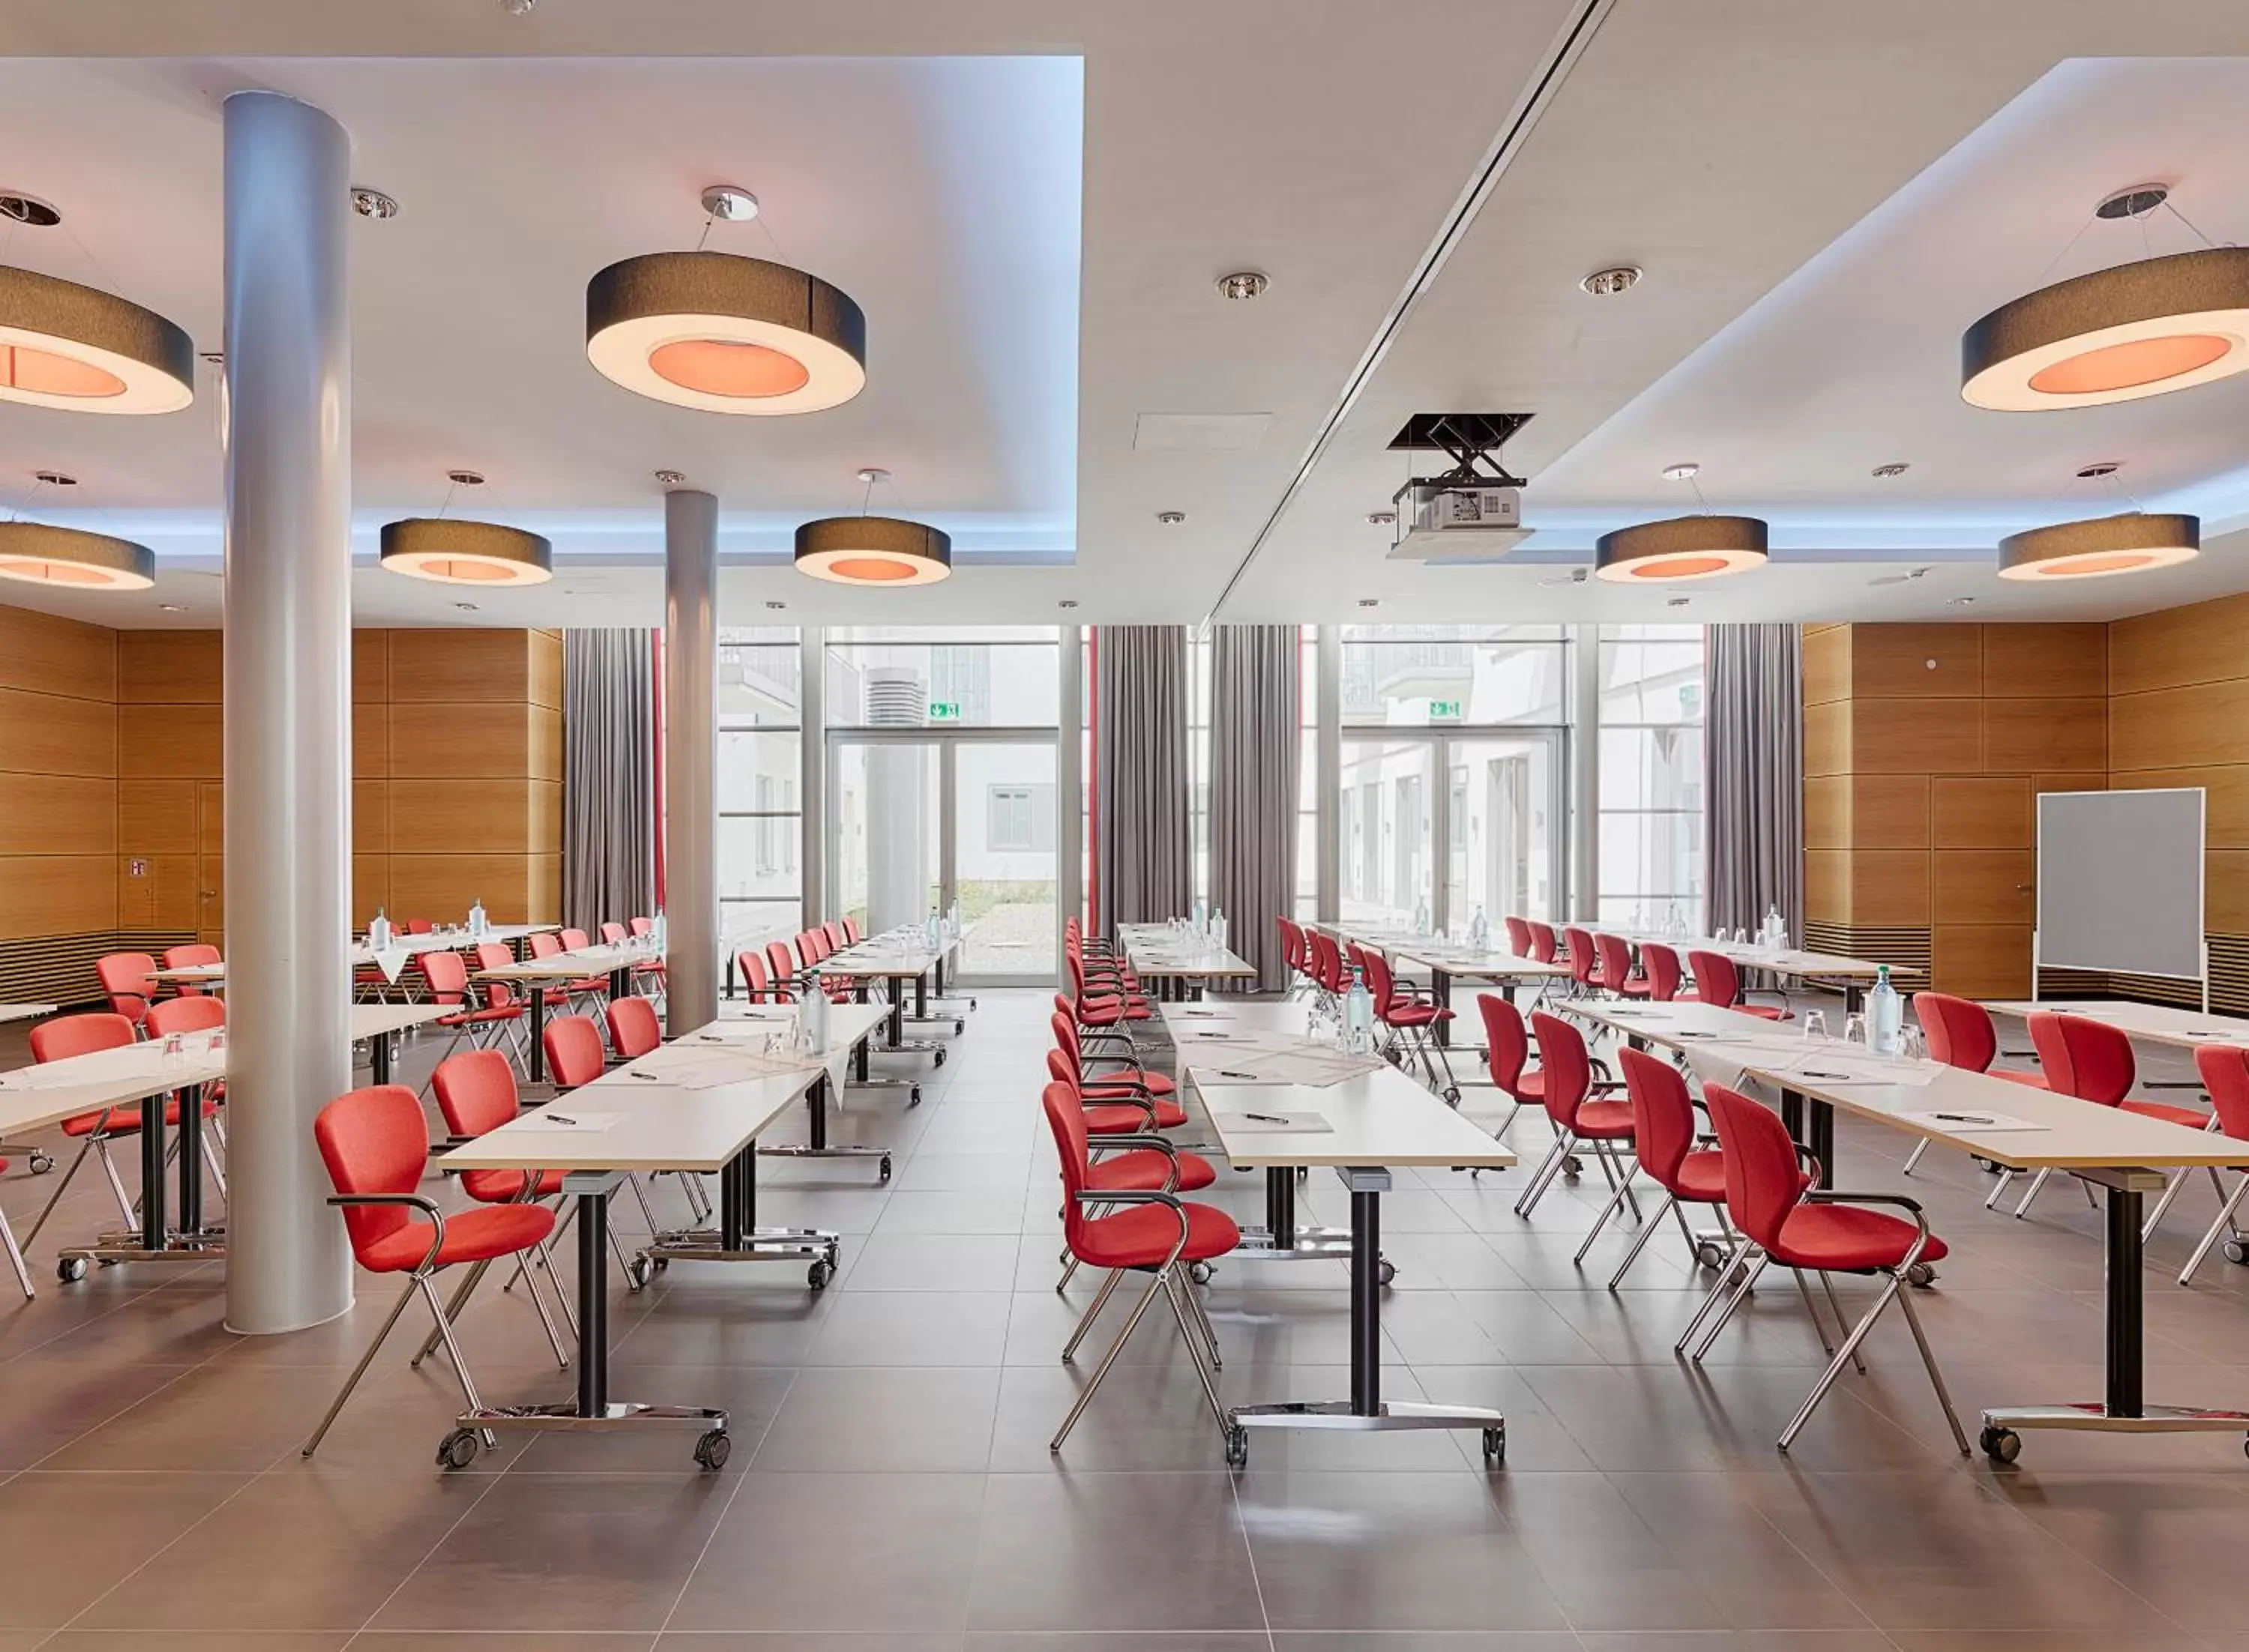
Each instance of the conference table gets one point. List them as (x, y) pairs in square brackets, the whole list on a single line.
[(1447, 960), (2013, 1125), (392, 959), (1853, 975), (138, 1073), (696, 1105), (1280, 1101), (2153, 1023), (896, 957), (1178, 961), (23, 1011), (617, 961)]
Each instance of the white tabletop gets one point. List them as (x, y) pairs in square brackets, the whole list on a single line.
[(1441, 955), (373, 1020), (1378, 1118), (660, 1126), (567, 966), (1792, 961), (899, 955), (2157, 1023), (2071, 1135), (1160, 949), (23, 1011)]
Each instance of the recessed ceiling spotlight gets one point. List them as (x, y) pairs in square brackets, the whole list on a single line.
[(465, 479), (730, 201), (670, 478), (1369, 602), (1615, 279), (775, 606), (1677, 602), (1886, 472), (2103, 468), (518, 7), (54, 478), (1382, 518), (373, 203), (172, 608), (1067, 602), (18, 208), (1682, 472), (1171, 518), (213, 358), (1958, 602), (1243, 284), (466, 607)]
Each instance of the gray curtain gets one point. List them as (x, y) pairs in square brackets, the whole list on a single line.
[(1253, 788), (1146, 861), (608, 770), (1753, 775)]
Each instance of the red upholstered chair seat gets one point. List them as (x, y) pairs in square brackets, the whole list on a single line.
[(1841, 1237), (1142, 1236)]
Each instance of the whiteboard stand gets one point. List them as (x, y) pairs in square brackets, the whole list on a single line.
[(2121, 878), (2203, 981)]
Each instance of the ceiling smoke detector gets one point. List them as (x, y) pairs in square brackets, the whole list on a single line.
[(17, 208), (172, 608), (518, 7), (1886, 472), (1615, 279), (1243, 284), (466, 607), (1677, 602), (373, 203)]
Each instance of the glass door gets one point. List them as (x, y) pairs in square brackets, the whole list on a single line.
[(1388, 840), (1505, 849), (882, 816)]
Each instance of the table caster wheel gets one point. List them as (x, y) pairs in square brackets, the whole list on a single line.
[(1237, 1447), (1385, 1270), (1710, 1254), (1573, 1165), (972, 1004), (960, 1027), (459, 1449), (1495, 1447), (2236, 1250), (1989, 1167), (939, 1058), (70, 1269), (2001, 1445), (1922, 1275), (820, 1273), (1199, 1271), (913, 1096), (1452, 1094), (712, 1450), (41, 1163), (636, 1273), (885, 1174)]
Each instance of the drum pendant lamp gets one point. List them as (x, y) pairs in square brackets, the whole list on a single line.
[(38, 554), (86, 350), (873, 551), (1697, 547), (726, 333), (2132, 542)]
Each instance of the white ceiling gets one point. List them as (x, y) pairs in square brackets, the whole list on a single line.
[(1822, 197)]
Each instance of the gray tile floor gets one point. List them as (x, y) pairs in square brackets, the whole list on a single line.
[(890, 1490)]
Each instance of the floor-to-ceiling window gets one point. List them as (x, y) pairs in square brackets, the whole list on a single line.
[(760, 816), (1651, 775)]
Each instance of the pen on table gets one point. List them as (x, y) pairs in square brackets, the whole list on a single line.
[(1965, 1117), (1266, 1118), (1223, 1073), (556, 1117)]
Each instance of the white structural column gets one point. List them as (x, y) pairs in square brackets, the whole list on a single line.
[(1069, 787), (812, 772), (1584, 773), (1327, 758), (288, 703), (690, 758)]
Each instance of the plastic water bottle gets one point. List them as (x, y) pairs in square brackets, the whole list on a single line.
[(931, 929), (815, 1017), (478, 923), (1480, 931), (378, 932), (1885, 1016), (661, 931), (1218, 927), (1358, 1016), (1775, 928), (1201, 922), (1421, 916)]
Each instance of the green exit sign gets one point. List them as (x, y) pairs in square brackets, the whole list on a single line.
[(945, 710), (1444, 710)]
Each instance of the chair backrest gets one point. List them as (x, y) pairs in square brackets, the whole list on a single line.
[(69, 1035), (1584, 959), (1381, 986), (1662, 963), (852, 933), (572, 939), (1764, 1180), (192, 956), (494, 954), (197, 1013), (1059, 1071), (755, 982), (633, 1029), (643, 926), (1611, 960), (1518, 936), (783, 961), (837, 939), (2224, 1071), (125, 978), (374, 1141), (1544, 944), (420, 926), (1292, 944), (1065, 1033), (446, 973), (544, 944), (1959, 1031), (572, 1043), (1066, 1118), (1717, 981), (613, 933), (1507, 1043), (476, 1091), (2084, 1058), (1328, 957), (1663, 1116), (1565, 1072)]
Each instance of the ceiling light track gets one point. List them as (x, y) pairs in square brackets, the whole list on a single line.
[(1562, 54)]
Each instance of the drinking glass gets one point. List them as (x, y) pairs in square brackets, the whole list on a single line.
[(1915, 1044), (1815, 1024), (1854, 1028)]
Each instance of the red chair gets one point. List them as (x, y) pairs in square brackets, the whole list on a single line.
[(377, 1146), (1292, 953), (1409, 1017), (1128, 1086), (1959, 1033), (1584, 959), (633, 1027), (613, 933), (1660, 964), (757, 985), (2093, 1061), (1506, 1055), (1784, 1219), (837, 939), (574, 941), (852, 933), (1613, 970), (480, 1026), (1150, 1231), (72, 1035), (572, 1045), (2225, 1072), (192, 956), (199, 1013), (1579, 1117), (642, 927), (1686, 1165), (1518, 937), (1717, 981), (128, 978), (420, 926), (1328, 969)]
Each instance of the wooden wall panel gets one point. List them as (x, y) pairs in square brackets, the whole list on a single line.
[(1985, 886), (472, 667), (1827, 886), (370, 741), (211, 817), (164, 895), (2199, 643), (434, 741), (1916, 737), (1916, 662), (2023, 736), (57, 734), (58, 895), (545, 670), (546, 759), (1889, 887), (462, 817), (1827, 811), (171, 742), (155, 817), (57, 815), (545, 831), (1827, 738), (2097, 781), (170, 667), (442, 886), (2225, 895), (370, 887), (543, 897), (1889, 811), (370, 668), (370, 816), (1982, 811), (52, 655), (1982, 961), (2204, 725), (1826, 664), (2044, 661)]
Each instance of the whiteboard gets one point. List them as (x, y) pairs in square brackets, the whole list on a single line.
[(2120, 881)]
